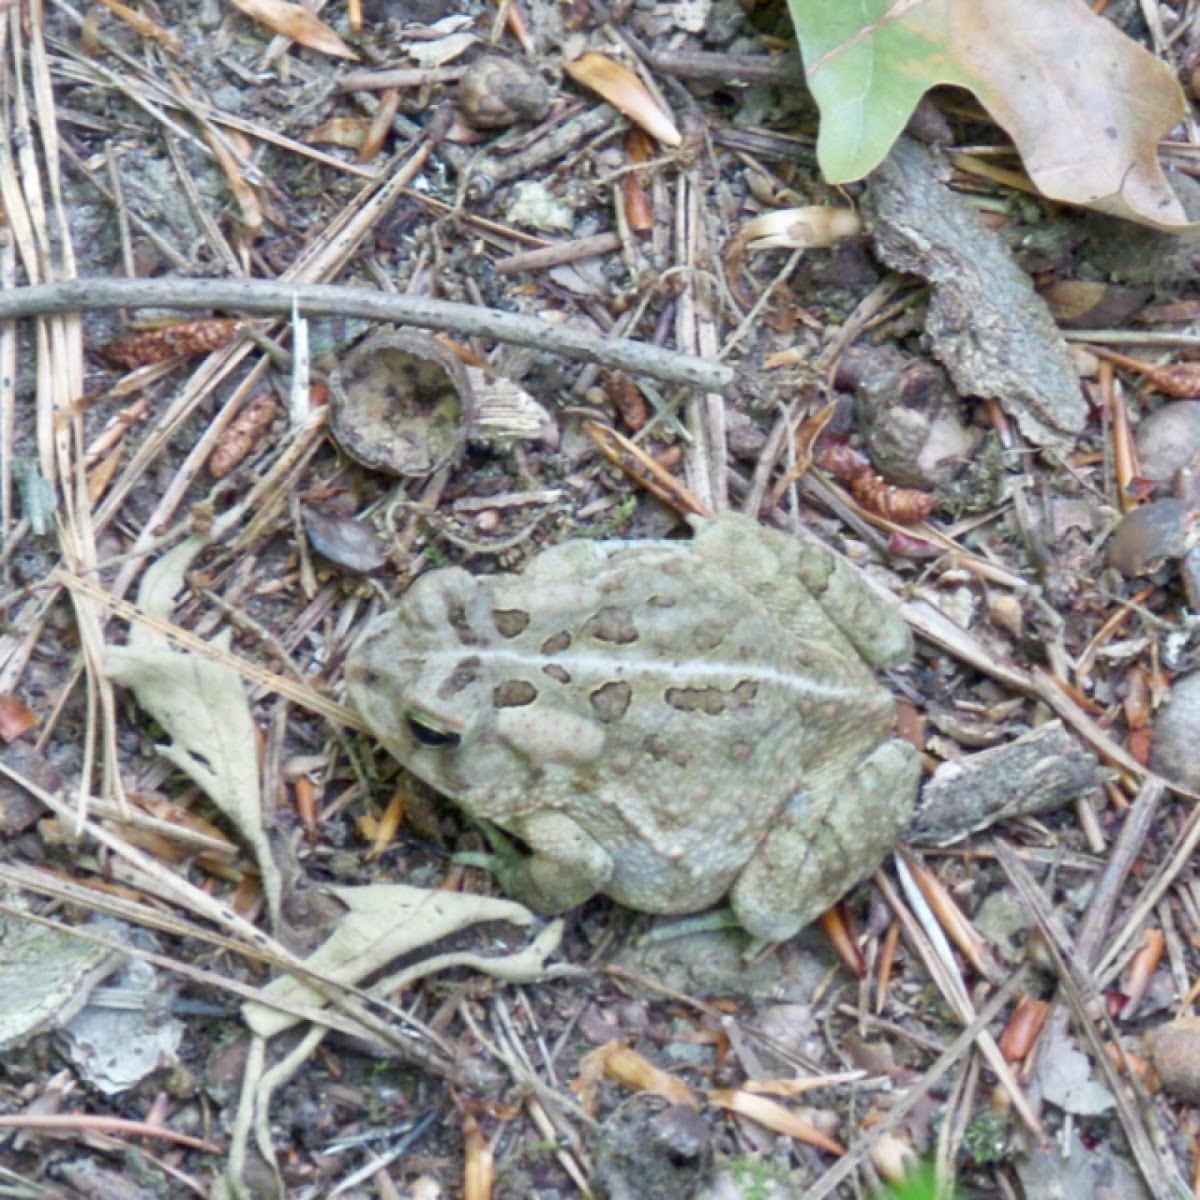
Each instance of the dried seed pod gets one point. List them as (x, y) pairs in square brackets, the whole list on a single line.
[(401, 403), (903, 506), (497, 92), (1023, 1029), (141, 347), (243, 433)]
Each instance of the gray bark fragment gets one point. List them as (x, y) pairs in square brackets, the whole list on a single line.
[(986, 324), (1040, 771)]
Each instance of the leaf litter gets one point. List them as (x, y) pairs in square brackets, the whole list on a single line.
[(182, 147)]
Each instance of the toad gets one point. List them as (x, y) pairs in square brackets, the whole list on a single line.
[(664, 722)]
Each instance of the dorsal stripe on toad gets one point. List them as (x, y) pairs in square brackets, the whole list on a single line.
[(607, 665)]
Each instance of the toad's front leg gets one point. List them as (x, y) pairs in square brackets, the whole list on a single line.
[(566, 866)]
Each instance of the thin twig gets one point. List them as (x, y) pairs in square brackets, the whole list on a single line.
[(322, 300)]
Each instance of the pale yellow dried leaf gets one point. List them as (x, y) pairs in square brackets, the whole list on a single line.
[(341, 131), (296, 23), (813, 226), (142, 24), (630, 1069), (798, 1087), (951, 918), (774, 1117), (382, 922), (203, 707), (625, 92)]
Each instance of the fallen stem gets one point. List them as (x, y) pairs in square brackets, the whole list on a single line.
[(313, 299), (93, 1123)]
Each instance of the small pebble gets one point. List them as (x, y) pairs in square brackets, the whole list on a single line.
[(1152, 534), (1177, 734), (1168, 440), (1174, 1051), (344, 540)]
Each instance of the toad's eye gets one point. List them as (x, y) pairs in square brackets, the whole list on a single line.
[(429, 735)]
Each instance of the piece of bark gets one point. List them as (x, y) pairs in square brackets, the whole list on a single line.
[(990, 329), (1039, 771)]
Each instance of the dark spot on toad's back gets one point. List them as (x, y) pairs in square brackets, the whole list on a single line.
[(611, 700), (708, 635), (557, 673), (514, 693), (711, 700), (557, 643), (511, 622), (613, 623)]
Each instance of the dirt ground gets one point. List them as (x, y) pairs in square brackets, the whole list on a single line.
[(204, 503)]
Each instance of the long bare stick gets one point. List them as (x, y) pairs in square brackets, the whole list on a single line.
[(267, 296)]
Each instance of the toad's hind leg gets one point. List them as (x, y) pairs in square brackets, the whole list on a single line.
[(828, 838)]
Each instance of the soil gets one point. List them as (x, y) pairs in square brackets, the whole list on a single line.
[(523, 1055)]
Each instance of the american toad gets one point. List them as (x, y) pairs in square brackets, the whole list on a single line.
[(664, 722)]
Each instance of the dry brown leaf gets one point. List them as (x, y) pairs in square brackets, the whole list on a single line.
[(349, 132), (16, 718), (625, 92), (383, 922), (1085, 105), (295, 23)]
